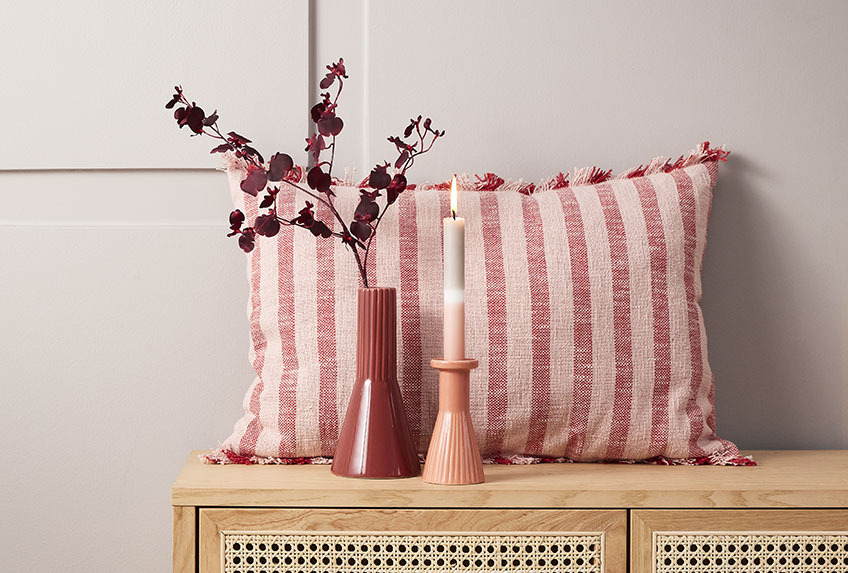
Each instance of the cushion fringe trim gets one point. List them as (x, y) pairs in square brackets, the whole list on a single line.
[(227, 457), (703, 153)]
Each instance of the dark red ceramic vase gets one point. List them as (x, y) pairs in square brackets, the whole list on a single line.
[(375, 441)]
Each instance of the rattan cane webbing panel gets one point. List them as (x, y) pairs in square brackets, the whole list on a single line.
[(736, 553), (385, 553)]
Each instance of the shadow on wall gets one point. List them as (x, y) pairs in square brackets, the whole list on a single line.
[(759, 292)]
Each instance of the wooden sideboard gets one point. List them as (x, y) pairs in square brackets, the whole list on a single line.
[(790, 513)]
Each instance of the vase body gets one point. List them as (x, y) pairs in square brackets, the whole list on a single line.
[(453, 457), (375, 441)]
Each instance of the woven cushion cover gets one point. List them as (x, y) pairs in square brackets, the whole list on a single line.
[(581, 306)]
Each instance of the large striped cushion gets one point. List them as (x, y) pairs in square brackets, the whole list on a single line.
[(582, 308)]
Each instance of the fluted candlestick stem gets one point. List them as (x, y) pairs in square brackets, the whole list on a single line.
[(453, 457)]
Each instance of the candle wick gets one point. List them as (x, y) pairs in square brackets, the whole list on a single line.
[(454, 214)]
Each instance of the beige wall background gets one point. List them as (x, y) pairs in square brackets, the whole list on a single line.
[(122, 303)]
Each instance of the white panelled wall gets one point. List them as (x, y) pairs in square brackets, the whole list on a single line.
[(122, 303)]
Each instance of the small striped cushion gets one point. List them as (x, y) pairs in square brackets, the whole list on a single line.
[(581, 306)]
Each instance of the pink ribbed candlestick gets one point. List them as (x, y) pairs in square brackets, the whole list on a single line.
[(375, 441), (453, 457)]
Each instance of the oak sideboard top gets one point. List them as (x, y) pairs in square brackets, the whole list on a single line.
[(783, 478)]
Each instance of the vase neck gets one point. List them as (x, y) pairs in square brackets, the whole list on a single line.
[(376, 344)]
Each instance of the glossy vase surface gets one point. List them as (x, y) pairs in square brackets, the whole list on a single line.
[(375, 441)]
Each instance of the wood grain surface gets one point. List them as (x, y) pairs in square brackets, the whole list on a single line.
[(782, 479)]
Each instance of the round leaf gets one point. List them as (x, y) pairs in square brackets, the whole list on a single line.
[(279, 166), (246, 242), (195, 120), (395, 188), (254, 182), (317, 179), (236, 219), (360, 230), (379, 179), (267, 225)]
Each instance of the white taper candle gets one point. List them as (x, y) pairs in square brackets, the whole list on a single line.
[(454, 254)]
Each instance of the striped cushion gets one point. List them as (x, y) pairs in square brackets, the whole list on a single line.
[(582, 308)]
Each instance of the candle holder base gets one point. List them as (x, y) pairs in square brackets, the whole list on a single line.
[(453, 457)]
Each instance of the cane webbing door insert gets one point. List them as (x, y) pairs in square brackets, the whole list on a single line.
[(429, 541), (683, 553), (309, 552), (730, 541)]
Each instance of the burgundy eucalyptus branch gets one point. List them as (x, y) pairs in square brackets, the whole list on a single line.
[(268, 178)]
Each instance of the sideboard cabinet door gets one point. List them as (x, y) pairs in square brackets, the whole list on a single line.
[(421, 540), (737, 540)]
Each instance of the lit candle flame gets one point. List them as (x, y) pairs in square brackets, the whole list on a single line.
[(453, 197)]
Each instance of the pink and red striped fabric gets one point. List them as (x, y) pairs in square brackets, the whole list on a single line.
[(581, 306)]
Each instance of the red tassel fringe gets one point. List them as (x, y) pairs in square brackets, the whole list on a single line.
[(227, 457), (492, 182)]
